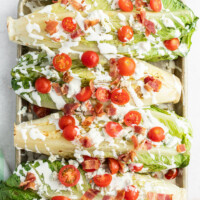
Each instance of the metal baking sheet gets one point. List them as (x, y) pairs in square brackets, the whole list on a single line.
[(180, 108)]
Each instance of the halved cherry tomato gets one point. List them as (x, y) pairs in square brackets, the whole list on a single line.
[(69, 24), (43, 85), (84, 94), (40, 111), (102, 180), (120, 97), (131, 193), (113, 129), (125, 33), (60, 198), (132, 117), (69, 175), (70, 132), (156, 5), (126, 66), (103, 94), (125, 5), (65, 121), (90, 158), (113, 165), (156, 134), (171, 174), (172, 44), (90, 59), (136, 167), (62, 62)]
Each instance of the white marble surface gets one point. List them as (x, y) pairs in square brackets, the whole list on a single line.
[(7, 96)]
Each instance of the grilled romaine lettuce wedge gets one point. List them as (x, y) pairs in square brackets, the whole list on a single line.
[(175, 21), (34, 65), (47, 184), (44, 136)]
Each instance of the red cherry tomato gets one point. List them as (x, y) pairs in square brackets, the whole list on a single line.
[(132, 117), (90, 158), (102, 94), (60, 198), (131, 193), (125, 5), (69, 175), (172, 44), (156, 5), (113, 165), (171, 174), (90, 59), (156, 134), (102, 180), (125, 33), (126, 66), (70, 132), (120, 97), (43, 85), (40, 111), (69, 24), (65, 121), (113, 129), (136, 167), (84, 94), (62, 62)]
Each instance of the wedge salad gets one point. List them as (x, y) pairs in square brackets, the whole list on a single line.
[(100, 115)]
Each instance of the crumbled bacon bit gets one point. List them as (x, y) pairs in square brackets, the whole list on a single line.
[(145, 145), (107, 197), (66, 77), (90, 194), (149, 25), (139, 91), (110, 110), (159, 196), (70, 108), (29, 182), (89, 23), (89, 106), (113, 68), (86, 142), (60, 90), (135, 141), (139, 130), (76, 5), (51, 27), (65, 1), (120, 195), (91, 84), (181, 148), (88, 121), (57, 88), (99, 109), (91, 164), (77, 33), (152, 84), (140, 3), (64, 89), (55, 39), (127, 156), (121, 166)]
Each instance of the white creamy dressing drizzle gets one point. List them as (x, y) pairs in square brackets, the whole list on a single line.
[(58, 100), (37, 98), (35, 134), (168, 22), (31, 27), (22, 89), (74, 85)]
